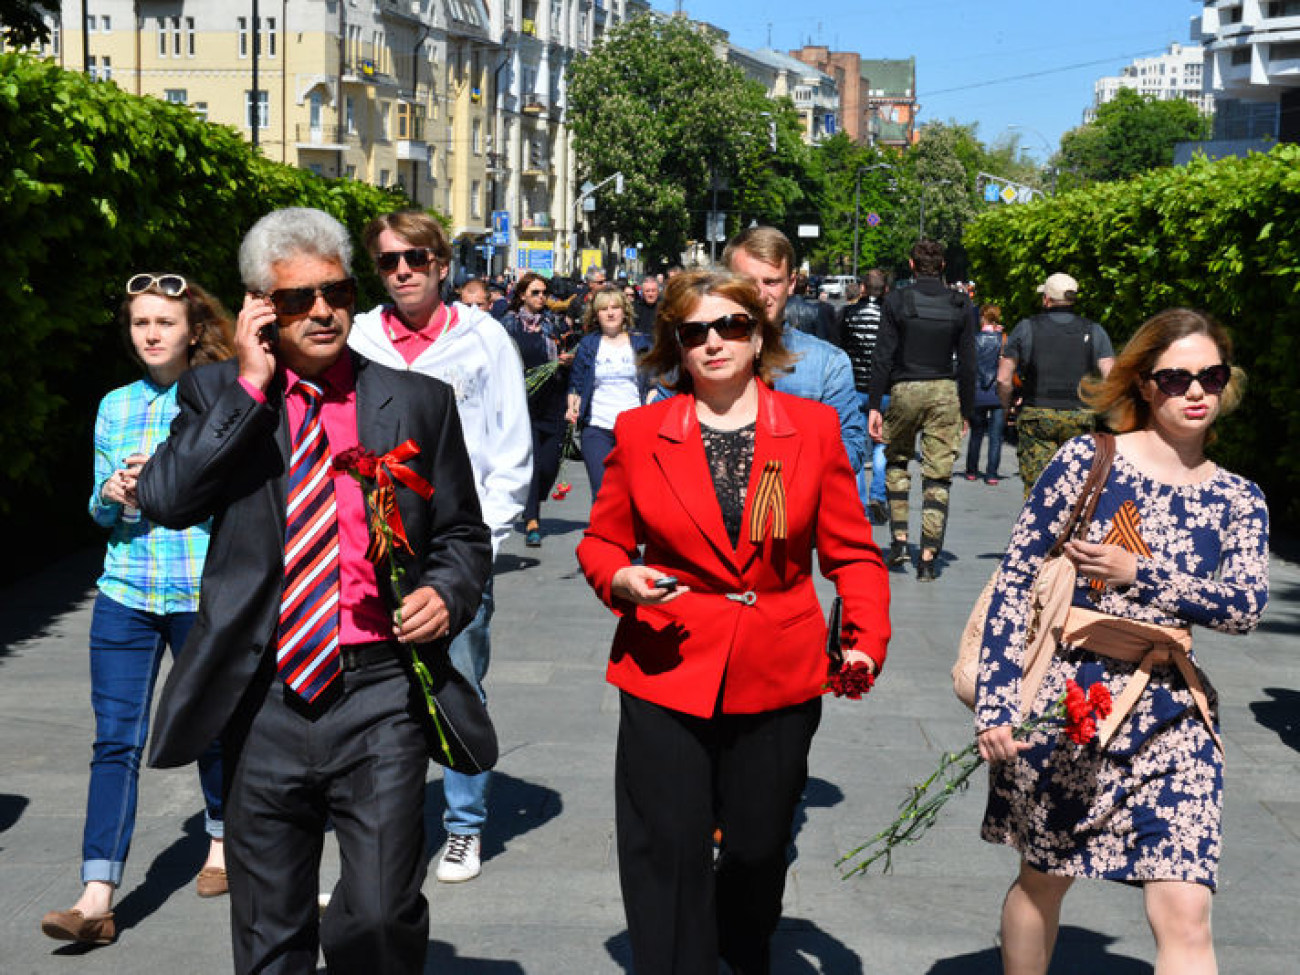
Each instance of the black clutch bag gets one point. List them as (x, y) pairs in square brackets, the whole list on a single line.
[(834, 652)]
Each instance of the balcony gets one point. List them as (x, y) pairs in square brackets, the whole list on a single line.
[(325, 138), (533, 105)]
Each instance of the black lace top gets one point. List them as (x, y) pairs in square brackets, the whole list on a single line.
[(730, 454)]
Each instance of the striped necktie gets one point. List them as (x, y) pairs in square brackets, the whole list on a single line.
[(308, 653)]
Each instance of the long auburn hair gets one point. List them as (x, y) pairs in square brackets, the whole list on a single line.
[(211, 327)]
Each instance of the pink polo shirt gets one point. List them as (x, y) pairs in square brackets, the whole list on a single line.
[(362, 617), (410, 343)]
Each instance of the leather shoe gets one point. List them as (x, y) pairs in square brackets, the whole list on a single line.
[(212, 882), (74, 926), (925, 570)]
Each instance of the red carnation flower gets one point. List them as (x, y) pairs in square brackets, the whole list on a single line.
[(356, 460), (851, 682), (1099, 698)]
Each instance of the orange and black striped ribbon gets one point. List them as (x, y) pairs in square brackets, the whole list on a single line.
[(1124, 533), (769, 497)]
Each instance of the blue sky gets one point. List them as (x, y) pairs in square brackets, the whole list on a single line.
[(999, 63)]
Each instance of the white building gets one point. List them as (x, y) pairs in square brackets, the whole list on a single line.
[(1252, 50), (1178, 73), (815, 95)]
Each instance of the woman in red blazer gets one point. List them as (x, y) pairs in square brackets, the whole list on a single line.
[(726, 489)]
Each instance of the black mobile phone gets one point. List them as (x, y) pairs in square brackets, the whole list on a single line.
[(666, 582), (271, 333)]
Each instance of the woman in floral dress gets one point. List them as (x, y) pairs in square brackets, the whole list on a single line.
[(1176, 540)]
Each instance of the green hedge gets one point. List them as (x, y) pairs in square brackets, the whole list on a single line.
[(1221, 236), (96, 184)]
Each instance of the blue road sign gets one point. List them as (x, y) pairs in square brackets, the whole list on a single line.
[(629, 253), (873, 220), (500, 228), (992, 192)]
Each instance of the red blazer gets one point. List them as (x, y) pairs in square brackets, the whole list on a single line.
[(762, 654)]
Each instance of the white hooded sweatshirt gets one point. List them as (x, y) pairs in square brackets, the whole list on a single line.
[(480, 362)]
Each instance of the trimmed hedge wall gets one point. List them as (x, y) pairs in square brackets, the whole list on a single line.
[(96, 184), (1220, 236)]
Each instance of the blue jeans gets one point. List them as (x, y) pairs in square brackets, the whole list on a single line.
[(126, 647), (466, 795), (597, 442), (990, 420), (877, 475)]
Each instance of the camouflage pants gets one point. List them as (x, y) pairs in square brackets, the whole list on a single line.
[(929, 409), (1042, 432)]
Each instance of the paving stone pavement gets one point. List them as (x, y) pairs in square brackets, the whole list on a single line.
[(548, 901)]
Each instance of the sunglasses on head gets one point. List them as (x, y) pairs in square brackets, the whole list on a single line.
[(1176, 382), (417, 259), (170, 285), (694, 334), (298, 301)]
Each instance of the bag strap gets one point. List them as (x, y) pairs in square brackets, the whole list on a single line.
[(1086, 504)]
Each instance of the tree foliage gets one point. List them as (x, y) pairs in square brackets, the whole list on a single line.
[(653, 101), (1221, 236), (22, 23), (1131, 134), (96, 184)]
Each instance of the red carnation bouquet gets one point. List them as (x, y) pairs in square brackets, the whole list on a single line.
[(378, 477), (1075, 712)]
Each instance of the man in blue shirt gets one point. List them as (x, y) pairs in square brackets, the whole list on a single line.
[(822, 372)]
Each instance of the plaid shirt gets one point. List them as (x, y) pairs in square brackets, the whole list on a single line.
[(147, 567)]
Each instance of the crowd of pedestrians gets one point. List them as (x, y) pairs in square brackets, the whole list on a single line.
[(731, 425)]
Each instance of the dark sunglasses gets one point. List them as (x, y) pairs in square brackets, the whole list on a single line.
[(1176, 382), (299, 301), (534, 292), (694, 334), (417, 259), (170, 285)]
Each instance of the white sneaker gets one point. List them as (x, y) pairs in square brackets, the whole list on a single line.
[(460, 859)]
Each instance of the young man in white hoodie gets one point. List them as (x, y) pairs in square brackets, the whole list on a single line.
[(471, 352)]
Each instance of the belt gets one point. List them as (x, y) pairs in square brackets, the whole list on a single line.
[(1145, 644), (358, 656)]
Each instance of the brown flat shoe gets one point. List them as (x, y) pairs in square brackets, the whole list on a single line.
[(212, 882), (75, 926)]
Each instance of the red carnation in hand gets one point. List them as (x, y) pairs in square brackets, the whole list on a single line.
[(1082, 711), (1099, 698), (852, 681)]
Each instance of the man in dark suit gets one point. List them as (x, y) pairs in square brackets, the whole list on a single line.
[(298, 660)]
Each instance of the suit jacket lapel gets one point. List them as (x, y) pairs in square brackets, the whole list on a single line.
[(377, 425), (679, 453), (775, 438)]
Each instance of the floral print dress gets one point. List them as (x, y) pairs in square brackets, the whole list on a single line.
[(1148, 806)]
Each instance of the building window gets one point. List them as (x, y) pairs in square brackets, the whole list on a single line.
[(476, 200), (201, 110), (242, 23), (105, 24), (90, 23), (316, 168), (476, 137), (176, 96), (263, 109), (162, 36), (350, 114), (176, 36), (100, 69), (189, 36), (383, 122), (316, 106), (383, 177), (56, 36), (350, 171), (270, 37), (1241, 56)]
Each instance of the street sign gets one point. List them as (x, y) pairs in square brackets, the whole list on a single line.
[(589, 205), (873, 219), (629, 253), (1009, 194), (535, 256), (809, 230), (717, 226), (501, 228), (992, 192), (1025, 194)]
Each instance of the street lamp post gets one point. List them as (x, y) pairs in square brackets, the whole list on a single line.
[(1047, 147), (857, 206), (936, 182)]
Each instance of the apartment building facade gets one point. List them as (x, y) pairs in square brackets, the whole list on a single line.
[(1176, 74), (1252, 63)]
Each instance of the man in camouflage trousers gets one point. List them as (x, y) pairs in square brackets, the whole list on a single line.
[(922, 328), (1052, 351)]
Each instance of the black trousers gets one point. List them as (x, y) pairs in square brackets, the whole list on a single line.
[(360, 762), (678, 777)]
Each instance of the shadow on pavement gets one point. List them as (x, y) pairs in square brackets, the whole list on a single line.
[(1078, 952), (508, 562), (443, 960), (173, 869), (515, 807), (1282, 714), (32, 604), (1283, 612), (11, 809), (799, 947), (817, 794)]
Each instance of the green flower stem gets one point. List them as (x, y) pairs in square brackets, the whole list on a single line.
[(921, 809)]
